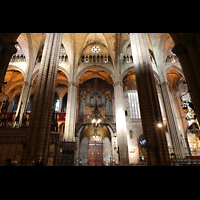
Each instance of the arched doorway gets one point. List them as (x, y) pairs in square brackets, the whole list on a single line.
[(95, 152)]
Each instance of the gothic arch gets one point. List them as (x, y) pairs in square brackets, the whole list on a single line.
[(34, 75), (189, 126), (173, 76), (59, 68), (175, 67), (98, 67), (156, 75), (15, 79), (17, 68), (126, 71), (64, 71)]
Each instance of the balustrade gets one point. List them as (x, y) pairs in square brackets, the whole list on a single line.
[(18, 58), (127, 59), (95, 58)]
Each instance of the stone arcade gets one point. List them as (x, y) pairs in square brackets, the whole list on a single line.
[(103, 99)]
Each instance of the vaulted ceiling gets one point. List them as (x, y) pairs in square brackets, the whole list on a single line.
[(75, 43), (78, 44)]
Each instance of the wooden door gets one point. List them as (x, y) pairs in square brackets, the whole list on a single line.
[(95, 154)]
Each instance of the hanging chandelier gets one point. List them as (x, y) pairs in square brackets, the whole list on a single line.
[(96, 118)]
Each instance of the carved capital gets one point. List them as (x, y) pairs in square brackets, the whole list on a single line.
[(164, 83), (118, 83), (72, 83)]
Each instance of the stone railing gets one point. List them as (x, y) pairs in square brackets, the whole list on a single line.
[(96, 58)]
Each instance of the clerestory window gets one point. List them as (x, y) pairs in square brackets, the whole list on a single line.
[(134, 104)]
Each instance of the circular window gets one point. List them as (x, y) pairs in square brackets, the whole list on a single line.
[(95, 49)]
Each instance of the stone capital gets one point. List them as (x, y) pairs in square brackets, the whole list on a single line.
[(72, 83), (163, 83), (118, 83)]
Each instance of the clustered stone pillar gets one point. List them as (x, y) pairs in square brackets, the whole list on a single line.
[(157, 150), (24, 98), (40, 118), (25, 94), (171, 121), (188, 50), (69, 134), (121, 124)]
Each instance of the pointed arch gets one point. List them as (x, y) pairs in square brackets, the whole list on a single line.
[(98, 67)]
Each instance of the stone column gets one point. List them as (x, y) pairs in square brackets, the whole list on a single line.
[(26, 90), (183, 124), (191, 76), (121, 124), (157, 150), (171, 120), (40, 118), (70, 119), (6, 55), (24, 98)]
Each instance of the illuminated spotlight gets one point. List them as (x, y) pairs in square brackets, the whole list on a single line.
[(160, 125)]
